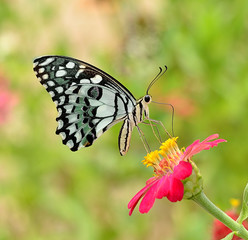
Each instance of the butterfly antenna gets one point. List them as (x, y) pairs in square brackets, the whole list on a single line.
[(159, 75), (172, 115)]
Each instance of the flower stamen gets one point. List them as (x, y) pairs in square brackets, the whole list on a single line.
[(164, 160), (152, 159)]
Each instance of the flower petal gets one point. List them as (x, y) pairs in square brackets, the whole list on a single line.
[(198, 146), (133, 202), (190, 147), (182, 170), (211, 137), (176, 189), (152, 179), (163, 187), (149, 198)]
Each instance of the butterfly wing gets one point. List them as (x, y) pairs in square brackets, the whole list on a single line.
[(88, 100)]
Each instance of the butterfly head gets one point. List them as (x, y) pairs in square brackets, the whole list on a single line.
[(147, 99), (143, 103)]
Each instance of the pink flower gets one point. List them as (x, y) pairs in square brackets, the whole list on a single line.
[(220, 230), (7, 101), (171, 166)]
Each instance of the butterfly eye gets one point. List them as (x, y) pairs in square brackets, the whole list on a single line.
[(147, 98)]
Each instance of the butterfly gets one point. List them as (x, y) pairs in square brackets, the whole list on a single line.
[(89, 101)]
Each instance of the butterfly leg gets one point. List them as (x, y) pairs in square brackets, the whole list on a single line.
[(143, 139), (155, 126), (160, 123)]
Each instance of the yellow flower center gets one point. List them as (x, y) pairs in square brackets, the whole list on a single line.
[(151, 159), (166, 158)]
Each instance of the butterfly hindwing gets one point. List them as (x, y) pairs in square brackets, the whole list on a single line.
[(84, 117), (89, 101)]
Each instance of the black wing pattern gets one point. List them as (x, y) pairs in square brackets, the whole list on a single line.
[(88, 100)]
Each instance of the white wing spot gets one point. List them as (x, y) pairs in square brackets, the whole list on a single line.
[(72, 99), (35, 64), (63, 135), (72, 118), (78, 72), (45, 76), (60, 73), (59, 89), (70, 90), (78, 136), (72, 128), (59, 112), (51, 93), (70, 144), (41, 70), (60, 124), (45, 86), (62, 100), (82, 66), (82, 81), (47, 61), (68, 108), (96, 79), (50, 83), (56, 102), (61, 67), (70, 65)]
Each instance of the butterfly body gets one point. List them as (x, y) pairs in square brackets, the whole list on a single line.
[(139, 114), (89, 101)]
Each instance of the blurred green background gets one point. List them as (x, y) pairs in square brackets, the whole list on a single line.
[(49, 192)]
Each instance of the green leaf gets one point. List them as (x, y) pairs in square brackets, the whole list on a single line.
[(244, 211), (229, 236)]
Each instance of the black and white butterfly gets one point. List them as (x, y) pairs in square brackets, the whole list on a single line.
[(89, 101)]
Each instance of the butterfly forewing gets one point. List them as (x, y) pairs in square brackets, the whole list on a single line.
[(88, 100)]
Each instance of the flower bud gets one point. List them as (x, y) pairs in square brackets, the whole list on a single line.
[(193, 185)]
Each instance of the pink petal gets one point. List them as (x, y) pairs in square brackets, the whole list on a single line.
[(133, 202), (176, 189), (182, 170), (190, 147), (7, 102), (163, 187), (149, 198), (152, 179), (211, 137), (198, 146), (216, 142)]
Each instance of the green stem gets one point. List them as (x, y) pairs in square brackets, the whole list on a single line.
[(202, 200)]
